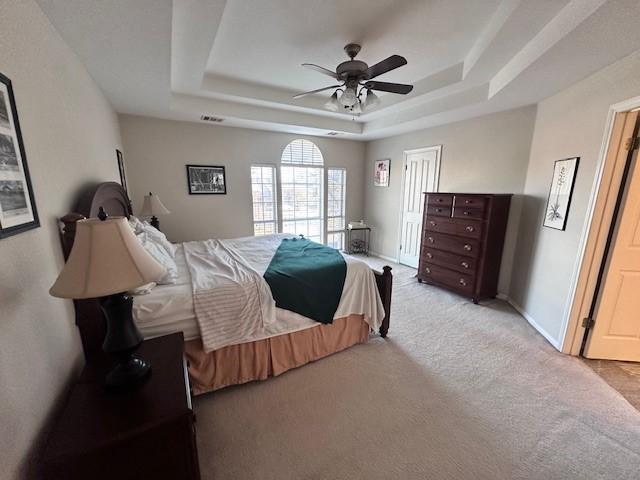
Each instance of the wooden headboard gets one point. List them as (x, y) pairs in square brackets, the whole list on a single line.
[(89, 317)]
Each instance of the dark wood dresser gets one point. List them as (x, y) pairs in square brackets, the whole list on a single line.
[(462, 240), (144, 433)]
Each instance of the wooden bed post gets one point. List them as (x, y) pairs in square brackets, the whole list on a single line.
[(384, 282)]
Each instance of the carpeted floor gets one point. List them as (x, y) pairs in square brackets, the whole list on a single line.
[(457, 391)]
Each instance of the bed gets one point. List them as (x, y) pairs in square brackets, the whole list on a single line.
[(290, 341)]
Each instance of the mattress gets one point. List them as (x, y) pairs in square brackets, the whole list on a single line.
[(169, 308)]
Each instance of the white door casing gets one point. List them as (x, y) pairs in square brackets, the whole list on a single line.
[(616, 331), (421, 174)]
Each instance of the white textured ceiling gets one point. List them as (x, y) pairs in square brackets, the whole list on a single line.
[(240, 59)]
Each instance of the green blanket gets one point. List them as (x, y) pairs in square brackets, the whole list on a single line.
[(307, 278)]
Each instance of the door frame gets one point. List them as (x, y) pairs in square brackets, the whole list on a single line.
[(594, 233), (438, 150)]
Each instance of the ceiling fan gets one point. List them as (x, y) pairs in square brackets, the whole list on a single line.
[(357, 78)]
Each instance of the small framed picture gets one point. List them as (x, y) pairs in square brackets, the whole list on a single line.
[(381, 172), (206, 180), (123, 174), (17, 205), (562, 183)]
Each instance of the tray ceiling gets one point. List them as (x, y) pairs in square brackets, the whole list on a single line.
[(240, 59)]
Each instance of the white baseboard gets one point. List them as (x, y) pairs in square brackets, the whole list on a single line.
[(383, 257), (531, 321)]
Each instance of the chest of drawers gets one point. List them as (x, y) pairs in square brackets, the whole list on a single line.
[(462, 241)]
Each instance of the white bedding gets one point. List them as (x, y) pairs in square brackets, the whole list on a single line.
[(170, 308)]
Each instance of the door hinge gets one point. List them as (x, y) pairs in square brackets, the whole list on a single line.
[(588, 322), (632, 143)]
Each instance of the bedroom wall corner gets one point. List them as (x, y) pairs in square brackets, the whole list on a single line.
[(70, 134), (487, 154), (568, 124)]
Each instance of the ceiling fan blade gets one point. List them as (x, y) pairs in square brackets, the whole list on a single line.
[(400, 88), (316, 91), (386, 65), (320, 69)]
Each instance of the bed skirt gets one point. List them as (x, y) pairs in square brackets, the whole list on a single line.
[(237, 364)]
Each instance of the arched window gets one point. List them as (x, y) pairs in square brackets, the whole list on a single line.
[(302, 185), (302, 152), (303, 196)]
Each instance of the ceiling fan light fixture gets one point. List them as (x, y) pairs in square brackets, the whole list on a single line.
[(357, 108), (333, 104), (372, 99), (349, 98)]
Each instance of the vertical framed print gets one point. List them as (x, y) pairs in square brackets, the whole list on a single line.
[(121, 170), (559, 201), (18, 211), (381, 171)]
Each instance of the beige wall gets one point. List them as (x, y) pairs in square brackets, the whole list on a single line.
[(487, 154), (571, 123), (156, 152), (70, 134)]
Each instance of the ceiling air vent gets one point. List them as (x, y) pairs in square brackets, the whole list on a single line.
[(333, 134), (209, 118)]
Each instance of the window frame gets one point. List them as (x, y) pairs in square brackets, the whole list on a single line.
[(323, 198), (344, 206), (276, 198)]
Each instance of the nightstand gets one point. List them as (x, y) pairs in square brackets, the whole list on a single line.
[(144, 433)]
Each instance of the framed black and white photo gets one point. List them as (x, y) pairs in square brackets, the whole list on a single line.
[(17, 205), (381, 172), (206, 180), (562, 182), (123, 174)]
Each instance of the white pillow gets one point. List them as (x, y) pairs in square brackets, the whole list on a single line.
[(156, 236), (136, 225), (153, 234), (160, 255)]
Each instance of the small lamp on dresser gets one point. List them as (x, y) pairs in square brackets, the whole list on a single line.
[(151, 207), (106, 261)]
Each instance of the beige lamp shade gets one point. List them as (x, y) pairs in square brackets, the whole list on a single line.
[(106, 258), (152, 206)]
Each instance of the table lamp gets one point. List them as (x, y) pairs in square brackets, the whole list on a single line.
[(151, 207), (105, 262)]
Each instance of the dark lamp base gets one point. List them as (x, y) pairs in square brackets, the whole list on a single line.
[(128, 373)]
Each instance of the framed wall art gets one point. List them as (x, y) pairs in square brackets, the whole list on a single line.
[(206, 180), (562, 183), (381, 172), (121, 170), (17, 205)]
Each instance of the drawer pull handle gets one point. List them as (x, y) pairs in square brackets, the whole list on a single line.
[(438, 210), (427, 270), (439, 200), (429, 255), (465, 264), (466, 212), (467, 201), (430, 239), (462, 282), (432, 223), (467, 247), (469, 228)]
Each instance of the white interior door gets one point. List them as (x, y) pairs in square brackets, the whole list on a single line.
[(616, 331), (421, 170)]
